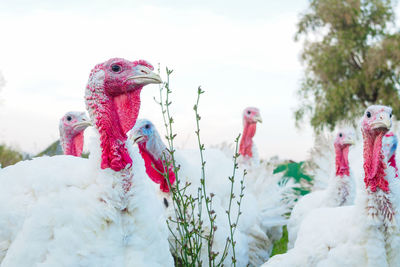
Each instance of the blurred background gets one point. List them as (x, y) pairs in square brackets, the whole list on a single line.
[(311, 63)]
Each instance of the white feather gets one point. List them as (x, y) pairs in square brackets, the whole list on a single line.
[(66, 211)]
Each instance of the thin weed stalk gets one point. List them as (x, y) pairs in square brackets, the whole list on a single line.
[(187, 227)]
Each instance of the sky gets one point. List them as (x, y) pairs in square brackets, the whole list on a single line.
[(242, 53)]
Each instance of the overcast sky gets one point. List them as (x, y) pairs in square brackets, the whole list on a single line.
[(241, 52)]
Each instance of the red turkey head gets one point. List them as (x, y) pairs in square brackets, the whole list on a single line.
[(72, 125), (113, 100), (344, 137), (251, 115), (376, 119)]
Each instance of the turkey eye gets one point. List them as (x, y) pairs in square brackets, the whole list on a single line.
[(390, 115), (249, 112), (368, 114), (147, 126), (340, 135), (115, 68), (69, 118)]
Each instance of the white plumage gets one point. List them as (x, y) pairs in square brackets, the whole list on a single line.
[(363, 234), (263, 207), (67, 211), (335, 185)]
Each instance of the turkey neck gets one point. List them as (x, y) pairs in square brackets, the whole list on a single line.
[(156, 167), (374, 165), (113, 120), (113, 116), (342, 160), (73, 145), (379, 204), (246, 142)]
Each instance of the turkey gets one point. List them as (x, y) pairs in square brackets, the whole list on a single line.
[(363, 234), (101, 211), (340, 190), (260, 176), (72, 126), (252, 242), (247, 149)]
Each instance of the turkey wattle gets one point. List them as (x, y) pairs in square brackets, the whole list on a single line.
[(339, 192), (72, 126), (366, 233), (101, 211), (252, 242), (247, 149)]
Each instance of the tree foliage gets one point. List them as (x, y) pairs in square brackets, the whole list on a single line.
[(352, 58)]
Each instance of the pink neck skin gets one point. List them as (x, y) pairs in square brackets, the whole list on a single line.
[(374, 165), (121, 114), (155, 168), (342, 160), (392, 162), (246, 143), (74, 146)]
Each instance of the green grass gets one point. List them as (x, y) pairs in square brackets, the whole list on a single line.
[(280, 246)]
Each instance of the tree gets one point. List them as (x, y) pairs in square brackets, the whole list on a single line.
[(352, 58)]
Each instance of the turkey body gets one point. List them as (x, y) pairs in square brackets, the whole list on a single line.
[(66, 211), (344, 236), (340, 192), (339, 188)]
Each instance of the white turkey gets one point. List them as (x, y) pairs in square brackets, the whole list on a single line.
[(363, 234), (248, 150), (72, 126), (260, 176), (340, 190), (252, 242), (101, 211)]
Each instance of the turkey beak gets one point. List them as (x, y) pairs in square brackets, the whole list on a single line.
[(382, 121), (136, 138), (82, 125), (348, 141), (258, 118), (145, 76)]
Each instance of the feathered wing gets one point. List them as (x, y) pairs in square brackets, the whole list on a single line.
[(273, 206), (344, 236), (307, 203), (321, 237), (66, 211)]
